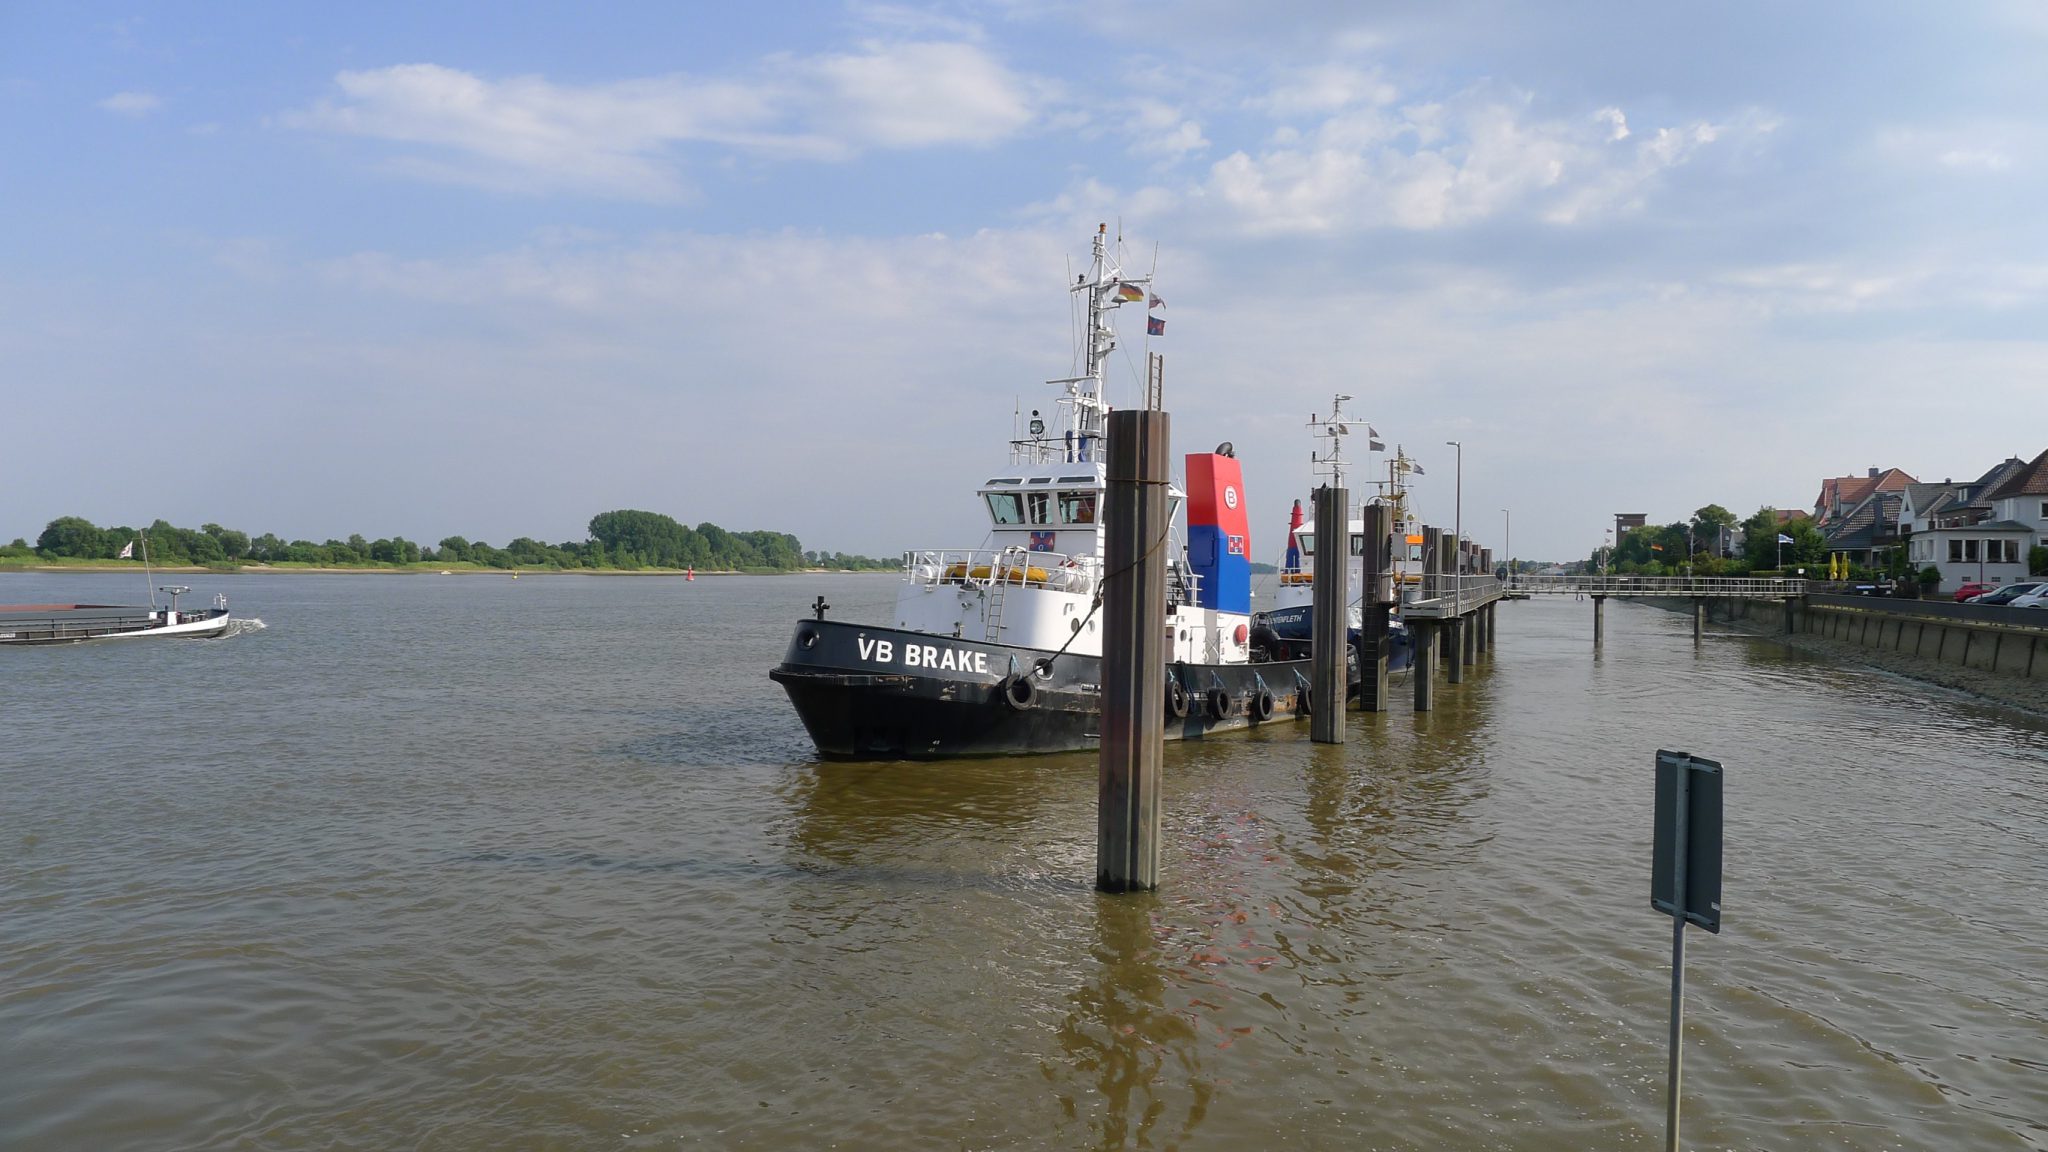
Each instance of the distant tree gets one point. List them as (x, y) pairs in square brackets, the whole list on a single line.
[(1710, 526), (645, 537), (1760, 538), (455, 548), (71, 536), (233, 544), (1808, 547)]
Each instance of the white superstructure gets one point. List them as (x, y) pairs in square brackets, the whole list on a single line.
[(1034, 581)]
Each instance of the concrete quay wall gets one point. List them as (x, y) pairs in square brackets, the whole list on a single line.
[(2003, 642)]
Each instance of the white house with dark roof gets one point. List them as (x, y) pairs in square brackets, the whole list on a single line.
[(1979, 530), (2022, 498)]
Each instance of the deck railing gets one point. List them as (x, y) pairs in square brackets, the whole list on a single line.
[(985, 567), (1745, 587), (1442, 594)]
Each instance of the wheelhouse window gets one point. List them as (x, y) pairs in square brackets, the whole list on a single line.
[(1006, 507), (1037, 507), (1077, 507), (1307, 540)]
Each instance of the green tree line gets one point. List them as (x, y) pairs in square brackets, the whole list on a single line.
[(1708, 541), (624, 539)]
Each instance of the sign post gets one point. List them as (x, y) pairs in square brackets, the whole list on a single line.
[(1685, 879)]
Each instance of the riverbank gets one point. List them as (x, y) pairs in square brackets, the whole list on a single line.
[(2013, 692), (422, 569)]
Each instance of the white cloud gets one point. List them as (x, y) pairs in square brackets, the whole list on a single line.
[(1444, 164), (1161, 129), (132, 103), (620, 139), (917, 95), (1983, 159), (1321, 89)]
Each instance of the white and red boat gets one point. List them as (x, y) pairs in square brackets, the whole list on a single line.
[(998, 649)]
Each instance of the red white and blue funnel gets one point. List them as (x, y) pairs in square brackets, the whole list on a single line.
[(1219, 533)]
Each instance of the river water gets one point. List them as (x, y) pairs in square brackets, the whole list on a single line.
[(482, 863)]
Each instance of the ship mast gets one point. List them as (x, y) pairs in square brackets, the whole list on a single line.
[(1107, 289), (1332, 463)]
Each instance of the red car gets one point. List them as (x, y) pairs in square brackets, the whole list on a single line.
[(1972, 589)]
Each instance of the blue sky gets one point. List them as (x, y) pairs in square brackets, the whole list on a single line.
[(491, 269)]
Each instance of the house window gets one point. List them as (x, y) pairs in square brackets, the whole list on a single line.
[(1955, 548), (1972, 550), (2002, 551), (2044, 509)]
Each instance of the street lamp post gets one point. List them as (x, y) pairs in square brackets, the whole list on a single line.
[(1507, 539), (1458, 508)]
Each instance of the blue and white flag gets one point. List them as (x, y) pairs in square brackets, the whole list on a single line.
[(1784, 539)]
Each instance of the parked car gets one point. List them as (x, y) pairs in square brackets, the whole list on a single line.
[(2009, 592), (1971, 590), (2038, 598)]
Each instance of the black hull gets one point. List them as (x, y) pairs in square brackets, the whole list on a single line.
[(883, 693), (73, 624), (1292, 636)]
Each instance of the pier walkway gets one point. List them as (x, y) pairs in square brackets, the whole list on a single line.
[(1714, 587), (1442, 596), (1698, 589)]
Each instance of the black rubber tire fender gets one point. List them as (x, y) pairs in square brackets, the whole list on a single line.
[(1261, 705), (1176, 699), (1219, 704), (1020, 693)]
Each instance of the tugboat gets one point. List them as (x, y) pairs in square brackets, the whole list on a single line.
[(1288, 627), (998, 649)]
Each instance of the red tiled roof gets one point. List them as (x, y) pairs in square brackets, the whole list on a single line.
[(1849, 490)]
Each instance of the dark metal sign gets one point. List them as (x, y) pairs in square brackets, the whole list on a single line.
[(1687, 842)]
